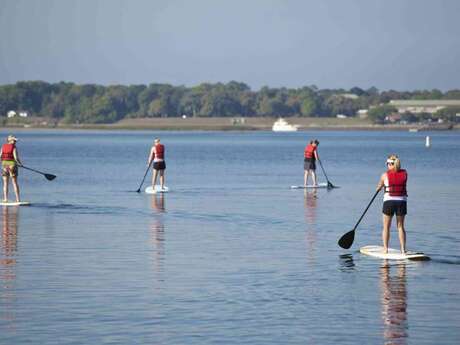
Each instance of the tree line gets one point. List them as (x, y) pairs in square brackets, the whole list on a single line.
[(91, 103)]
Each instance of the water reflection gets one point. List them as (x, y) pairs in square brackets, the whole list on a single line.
[(8, 249), (310, 203), (158, 231), (346, 263), (394, 304)]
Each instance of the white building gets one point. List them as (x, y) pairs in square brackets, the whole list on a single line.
[(11, 114), (423, 106)]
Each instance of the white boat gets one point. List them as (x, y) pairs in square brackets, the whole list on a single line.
[(281, 125)]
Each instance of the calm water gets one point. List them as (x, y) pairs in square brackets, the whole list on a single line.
[(231, 255)]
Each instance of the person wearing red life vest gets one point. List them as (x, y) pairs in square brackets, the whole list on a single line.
[(394, 182), (310, 158), (157, 154), (10, 160)]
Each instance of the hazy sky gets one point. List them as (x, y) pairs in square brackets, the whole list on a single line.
[(390, 44)]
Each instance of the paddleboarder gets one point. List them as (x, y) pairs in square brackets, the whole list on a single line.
[(10, 161), (310, 158), (394, 182), (157, 154)]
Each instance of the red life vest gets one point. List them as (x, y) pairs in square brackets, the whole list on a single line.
[(159, 151), (397, 183), (7, 152), (309, 151)]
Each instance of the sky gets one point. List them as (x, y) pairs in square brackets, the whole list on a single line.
[(389, 44)]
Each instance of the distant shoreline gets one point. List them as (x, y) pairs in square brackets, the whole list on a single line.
[(236, 124)]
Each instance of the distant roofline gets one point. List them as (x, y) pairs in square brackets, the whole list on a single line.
[(425, 102)]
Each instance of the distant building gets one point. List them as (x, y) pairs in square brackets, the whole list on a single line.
[(13, 113), (341, 116), (349, 95), (423, 106), (362, 113), (393, 118)]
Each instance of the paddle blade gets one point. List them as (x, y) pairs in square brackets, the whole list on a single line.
[(330, 185), (50, 177), (347, 240)]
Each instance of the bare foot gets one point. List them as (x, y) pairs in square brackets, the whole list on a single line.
[(385, 250)]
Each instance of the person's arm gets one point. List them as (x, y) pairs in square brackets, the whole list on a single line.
[(316, 154), (381, 182), (16, 156), (151, 156)]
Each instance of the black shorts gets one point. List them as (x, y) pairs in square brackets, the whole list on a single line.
[(390, 207), (159, 165), (309, 164)]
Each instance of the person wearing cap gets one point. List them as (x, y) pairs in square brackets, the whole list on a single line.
[(394, 182), (310, 158), (10, 161), (157, 154)]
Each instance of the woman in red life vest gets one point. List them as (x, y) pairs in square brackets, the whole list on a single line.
[(394, 182), (10, 161), (309, 165), (157, 154)]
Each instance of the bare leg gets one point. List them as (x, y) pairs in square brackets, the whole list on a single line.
[(154, 177), (305, 178), (162, 178), (386, 232), (401, 233), (313, 176), (16, 187), (5, 188)]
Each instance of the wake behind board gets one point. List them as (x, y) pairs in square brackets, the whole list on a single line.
[(319, 185), (14, 203), (156, 189), (393, 254)]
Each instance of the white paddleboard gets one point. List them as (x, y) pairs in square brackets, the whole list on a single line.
[(156, 189), (393, 254), (14, 203), (319, 185)]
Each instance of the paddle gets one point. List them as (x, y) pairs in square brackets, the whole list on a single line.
[(329, 184), (49, 177), (143, 179), (347, 240)]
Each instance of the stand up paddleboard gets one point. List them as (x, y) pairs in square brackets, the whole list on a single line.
[(319, 185), (157, 189), (393, 254), (14, 203)]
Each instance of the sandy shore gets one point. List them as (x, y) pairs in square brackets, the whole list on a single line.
[(238, 124)]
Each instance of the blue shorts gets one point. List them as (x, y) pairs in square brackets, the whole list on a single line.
[(391, 207), (309, 164), (159, 165)]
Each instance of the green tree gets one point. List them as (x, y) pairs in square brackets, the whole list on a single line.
[(378, 114)]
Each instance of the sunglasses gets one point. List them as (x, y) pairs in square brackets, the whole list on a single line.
[(390, 163)]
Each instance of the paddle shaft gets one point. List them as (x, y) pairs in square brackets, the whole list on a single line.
[(327, 179), (143, 179), (370, 203), (22, 166)]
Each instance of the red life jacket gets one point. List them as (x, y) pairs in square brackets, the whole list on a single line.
[(159, 151), (309, 151), (7, 152), (397, 183)]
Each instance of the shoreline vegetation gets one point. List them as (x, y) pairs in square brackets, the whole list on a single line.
[(222, 106), (229, 124)]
